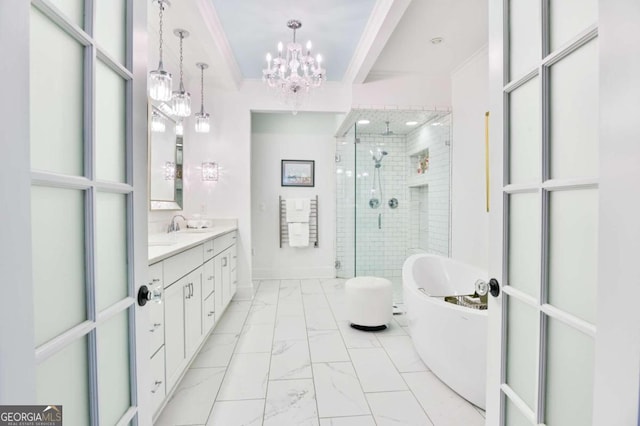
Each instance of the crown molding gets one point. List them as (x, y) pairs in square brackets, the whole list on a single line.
[(213, 24)]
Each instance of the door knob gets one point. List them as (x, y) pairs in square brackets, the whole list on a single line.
[(144, 295), (492, 287)]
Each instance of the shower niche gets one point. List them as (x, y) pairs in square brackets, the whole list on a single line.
[(392, 189)]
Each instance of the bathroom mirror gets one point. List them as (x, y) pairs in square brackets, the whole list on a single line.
[(165, 162)]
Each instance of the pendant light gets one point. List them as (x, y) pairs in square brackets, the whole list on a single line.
[(181, 98), (179, 129), (159, 79), (202, 118)]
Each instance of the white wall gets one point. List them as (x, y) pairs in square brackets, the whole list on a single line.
[(229, 144), (278, 136), (469, 219)]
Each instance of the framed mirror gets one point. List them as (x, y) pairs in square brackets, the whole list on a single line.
[(165, 162)]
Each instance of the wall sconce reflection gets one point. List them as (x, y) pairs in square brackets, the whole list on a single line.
[(210, 172), (157, 123), (169, 170)]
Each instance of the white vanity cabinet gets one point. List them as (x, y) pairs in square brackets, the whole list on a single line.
[(196, 285)]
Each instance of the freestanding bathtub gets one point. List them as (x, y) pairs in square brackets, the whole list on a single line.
[(450, 339)]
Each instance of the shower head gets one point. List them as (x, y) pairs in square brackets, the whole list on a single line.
[(387, 132), (378, 156)]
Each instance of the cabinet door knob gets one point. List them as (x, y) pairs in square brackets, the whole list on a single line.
[(224, 261), (210, 278), (155, 326), (156, 386)]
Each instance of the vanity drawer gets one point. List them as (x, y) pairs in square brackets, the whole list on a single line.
[(234, 257), (224, 241), (181, 264), (208, 278), (156, 384), (155, 275), (208, 313), (208, 250), (156, 321)]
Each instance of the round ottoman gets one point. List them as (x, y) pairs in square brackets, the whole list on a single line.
[(369, 303)]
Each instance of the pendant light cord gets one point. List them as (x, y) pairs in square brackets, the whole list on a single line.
[(181, 58), (202, 90), (161, 4)]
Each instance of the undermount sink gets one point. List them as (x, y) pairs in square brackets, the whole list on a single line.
[(197, 230)]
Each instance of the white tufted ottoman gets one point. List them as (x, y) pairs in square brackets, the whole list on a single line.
[(369, 303)]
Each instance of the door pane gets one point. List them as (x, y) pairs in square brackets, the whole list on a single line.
[(568, 18), (114, 388), (73, 10), (110, 125), (524, 243), (524, 37), (514, 416), (111, 254), (56, 98), (58, 248), (524, 133), (522, 350), (573, 252), (569, 387), (110, 28), (574, 125), (64, 379)]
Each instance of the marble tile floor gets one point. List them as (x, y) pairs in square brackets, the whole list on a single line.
[(289, 358)]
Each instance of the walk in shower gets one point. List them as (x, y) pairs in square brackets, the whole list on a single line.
[(393, 177)]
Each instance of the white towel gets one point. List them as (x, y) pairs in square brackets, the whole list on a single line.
[(298, 234), (298, 209)]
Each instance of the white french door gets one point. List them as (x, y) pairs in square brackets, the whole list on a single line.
[(85, 210), (545, 362)]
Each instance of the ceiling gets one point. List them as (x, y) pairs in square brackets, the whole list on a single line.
[(254, 27), (397, 120), (360, 40), (463, 25)]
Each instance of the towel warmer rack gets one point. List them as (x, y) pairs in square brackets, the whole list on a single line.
[(313, 222)]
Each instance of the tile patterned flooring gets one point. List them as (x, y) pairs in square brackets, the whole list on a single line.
[(289, 357)]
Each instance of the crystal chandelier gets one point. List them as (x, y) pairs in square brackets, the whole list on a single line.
[(181, 98), (294, 73), (159, 79), (202, 118)]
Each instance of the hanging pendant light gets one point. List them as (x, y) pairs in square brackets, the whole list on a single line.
[(179, 129), (159, 79), (181, 98), (202, 118)]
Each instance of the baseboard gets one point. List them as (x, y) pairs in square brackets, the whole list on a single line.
[(243, 293), (293, 273)]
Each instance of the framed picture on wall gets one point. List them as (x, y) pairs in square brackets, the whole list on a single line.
[(298, 173)]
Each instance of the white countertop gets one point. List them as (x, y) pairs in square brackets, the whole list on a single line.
[(162, 246)]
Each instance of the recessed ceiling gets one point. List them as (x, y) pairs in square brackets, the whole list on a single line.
[(254, 27)]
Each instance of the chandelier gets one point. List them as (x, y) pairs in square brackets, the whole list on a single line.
[(294, 73)]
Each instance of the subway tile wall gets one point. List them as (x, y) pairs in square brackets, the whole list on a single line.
[(421, 220), (437, 138)]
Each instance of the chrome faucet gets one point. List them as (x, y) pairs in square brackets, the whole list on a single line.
[(173, 225)]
